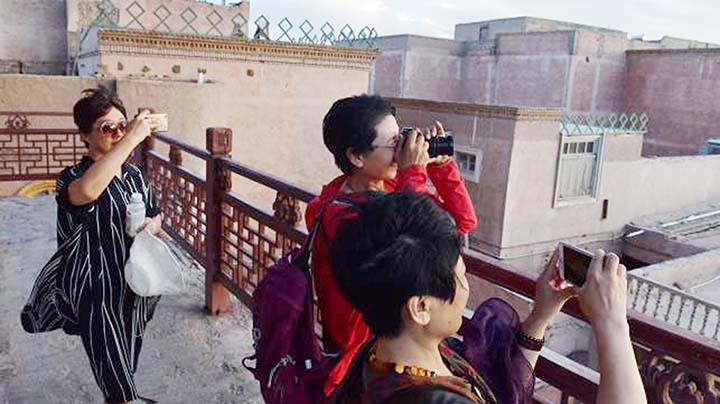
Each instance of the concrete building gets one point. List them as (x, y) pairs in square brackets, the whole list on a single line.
[(26, 49), (533, 62), (539, 176), (43, 37)]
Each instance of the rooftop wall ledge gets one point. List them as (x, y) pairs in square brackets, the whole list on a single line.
[(490, 111), (631, 52), (158, 44)]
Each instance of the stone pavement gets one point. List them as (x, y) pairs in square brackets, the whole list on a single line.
[(187, 357)]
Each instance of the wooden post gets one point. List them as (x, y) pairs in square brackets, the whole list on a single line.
[(175, 155), (219, 144)]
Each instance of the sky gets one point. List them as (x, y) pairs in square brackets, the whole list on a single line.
[(690, 19)]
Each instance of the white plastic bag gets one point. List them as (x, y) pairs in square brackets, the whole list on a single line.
[(152, 269)]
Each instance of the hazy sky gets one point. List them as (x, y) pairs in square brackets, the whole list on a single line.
[(691, 19)]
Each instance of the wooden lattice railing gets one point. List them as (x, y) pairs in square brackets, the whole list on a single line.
[(30, 153), (677, 366), (236, 240)]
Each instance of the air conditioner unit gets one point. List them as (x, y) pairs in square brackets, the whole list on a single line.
[(713, 145)]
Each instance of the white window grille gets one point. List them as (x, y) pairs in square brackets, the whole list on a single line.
[(579, 168)]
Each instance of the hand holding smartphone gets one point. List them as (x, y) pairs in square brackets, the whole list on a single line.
[(158, 122)]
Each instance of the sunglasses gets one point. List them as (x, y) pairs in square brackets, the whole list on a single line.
[(109, 128)]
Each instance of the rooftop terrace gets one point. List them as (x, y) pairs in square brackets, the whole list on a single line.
[(188, 357)]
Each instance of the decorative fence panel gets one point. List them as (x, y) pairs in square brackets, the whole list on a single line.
[(29, 153), (202, 18)]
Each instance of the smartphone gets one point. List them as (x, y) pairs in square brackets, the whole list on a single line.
[(574, 263), (158, 122)]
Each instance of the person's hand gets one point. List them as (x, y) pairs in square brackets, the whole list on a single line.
[(414, 150), (138, 129), (551, 291), (603, 297), (437, 131), (151, 225)]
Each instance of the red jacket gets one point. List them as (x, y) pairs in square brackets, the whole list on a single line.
[(343, 327)]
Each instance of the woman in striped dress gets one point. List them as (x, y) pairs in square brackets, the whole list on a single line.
[(82, 288)]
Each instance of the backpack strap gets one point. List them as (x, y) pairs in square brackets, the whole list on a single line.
[(303, 258), (247, 366)]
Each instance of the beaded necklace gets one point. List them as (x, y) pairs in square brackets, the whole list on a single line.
[(475, 384), (398, 368)]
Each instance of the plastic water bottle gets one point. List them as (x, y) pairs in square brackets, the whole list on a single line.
[(135, 214)]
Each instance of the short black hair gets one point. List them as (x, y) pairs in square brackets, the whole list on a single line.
[(95, 103), (398, 246), (350, 123)]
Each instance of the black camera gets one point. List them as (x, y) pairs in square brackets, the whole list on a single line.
[(439, 146)]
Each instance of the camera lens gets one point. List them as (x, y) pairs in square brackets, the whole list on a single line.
[(438, 146), (441, 146)]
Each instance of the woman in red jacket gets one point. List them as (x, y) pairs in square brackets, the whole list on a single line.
[(364, 137)]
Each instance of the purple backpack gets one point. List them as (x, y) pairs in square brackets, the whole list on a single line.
[(289, 363)]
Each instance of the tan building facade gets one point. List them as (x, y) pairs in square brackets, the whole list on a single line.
[(537, 177), (533, 62)]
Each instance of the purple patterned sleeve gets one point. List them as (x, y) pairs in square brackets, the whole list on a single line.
[(491, 348)]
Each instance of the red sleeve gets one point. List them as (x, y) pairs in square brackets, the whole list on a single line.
[(412, 178), (453, 194)]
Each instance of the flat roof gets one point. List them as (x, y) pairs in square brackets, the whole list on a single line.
[(698, 225), (529, 18)]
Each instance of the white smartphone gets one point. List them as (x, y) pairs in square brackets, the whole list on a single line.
[(158, 122)]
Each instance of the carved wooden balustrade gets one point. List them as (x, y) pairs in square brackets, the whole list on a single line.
[(236, 239), (28, 152), (677, 365)]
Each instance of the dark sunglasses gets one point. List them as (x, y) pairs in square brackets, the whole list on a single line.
[(108, 128)]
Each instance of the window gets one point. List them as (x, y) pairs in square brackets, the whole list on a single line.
[(483, 35), (578, 168), (579, 147), (468, 161)]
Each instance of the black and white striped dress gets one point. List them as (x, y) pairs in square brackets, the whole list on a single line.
[(82, 288)]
